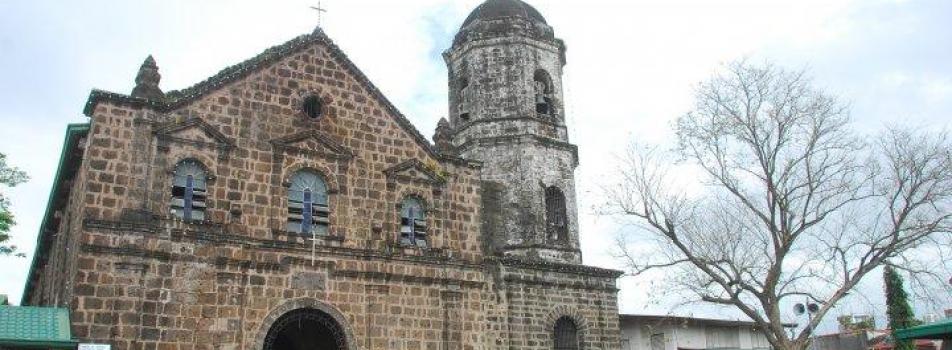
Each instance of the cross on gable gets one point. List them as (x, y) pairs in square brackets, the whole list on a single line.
[(320, 10)]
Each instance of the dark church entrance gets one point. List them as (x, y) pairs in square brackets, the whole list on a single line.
[(305, 329)]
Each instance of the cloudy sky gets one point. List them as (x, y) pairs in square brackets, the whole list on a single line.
[(631, 69)]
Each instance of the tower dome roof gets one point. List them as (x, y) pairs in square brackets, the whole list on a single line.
[(494, 18), (499, 9)]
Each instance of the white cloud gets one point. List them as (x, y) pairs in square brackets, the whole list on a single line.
[(938, 90)]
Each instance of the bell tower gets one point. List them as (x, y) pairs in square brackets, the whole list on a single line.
[(505, 108)]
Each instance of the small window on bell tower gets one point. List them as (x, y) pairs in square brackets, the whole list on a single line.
[(464, 100), (556, 220), (542, 84)]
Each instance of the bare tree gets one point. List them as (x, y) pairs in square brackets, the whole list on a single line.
[(792, 204)]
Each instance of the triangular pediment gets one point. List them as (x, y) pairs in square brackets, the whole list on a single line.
[(414, 171), (193, 130), (178, 99), (312, 142)]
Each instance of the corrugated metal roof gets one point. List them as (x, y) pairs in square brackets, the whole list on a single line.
[(671, 319), (938, 330), (27, 326), (74, 132)]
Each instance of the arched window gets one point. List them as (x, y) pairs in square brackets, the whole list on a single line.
[(542, 84), (189, 191), (308, 211), (412, 223), (566, 334), (556, 222)]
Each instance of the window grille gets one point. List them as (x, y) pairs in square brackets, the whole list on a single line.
[(556, 221), (657, 341), (308, 209), (313, 107), (566, 334), (189, 191), (413, 223)]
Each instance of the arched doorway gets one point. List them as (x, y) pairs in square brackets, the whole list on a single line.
[(305, 329)]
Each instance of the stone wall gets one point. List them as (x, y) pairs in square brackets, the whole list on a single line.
[(499, 73), (208, 290), (523, 152), (516, 216), (251, 136), (142, 288), (538, 295)]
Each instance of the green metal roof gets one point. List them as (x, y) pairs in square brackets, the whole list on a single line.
[(27, 326), (73, 133), (938, 330)]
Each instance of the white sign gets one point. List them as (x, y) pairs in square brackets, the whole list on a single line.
[(87, 346)]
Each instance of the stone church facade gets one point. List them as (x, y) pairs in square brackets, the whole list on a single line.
[(284, 203)]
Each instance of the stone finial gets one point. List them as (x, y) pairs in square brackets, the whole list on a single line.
[(318, 31), (443, 137), (147, 81)]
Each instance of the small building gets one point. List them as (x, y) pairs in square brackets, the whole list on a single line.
[(938, 331), (886, 342), (846, 339), (650, 332), (25, 327)]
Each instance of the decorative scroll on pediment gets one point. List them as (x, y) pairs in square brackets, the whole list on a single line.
[(414, 171), (194, 131), (312, 142)]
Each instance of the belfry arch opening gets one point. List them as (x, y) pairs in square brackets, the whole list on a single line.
[(304, 329), (542, 83)]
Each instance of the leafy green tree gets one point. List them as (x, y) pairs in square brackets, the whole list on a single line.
[(9, 177), (897, 306)]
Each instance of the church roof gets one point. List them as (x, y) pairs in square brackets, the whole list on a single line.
[(498, 9), (179, 98), (69, 162), (502, 18), (39, 327)]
